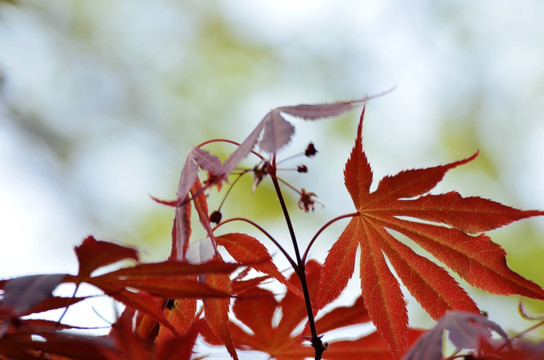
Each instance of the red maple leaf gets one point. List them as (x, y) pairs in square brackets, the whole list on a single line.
[(283, 341), (448, 226)]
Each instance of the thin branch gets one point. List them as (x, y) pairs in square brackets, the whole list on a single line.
[(300, 269)]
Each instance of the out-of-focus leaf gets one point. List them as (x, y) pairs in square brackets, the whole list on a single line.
[(206, 161), (179, 348), (59, 345), (369, 347), (277, 132), (93, 254), (167, 279), (54, 302), (200, 251), (128, 344), (23, 293), (319, 111), (504, 349), (216, 312), (466, 330)]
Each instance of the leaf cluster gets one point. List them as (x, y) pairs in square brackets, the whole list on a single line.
[(404, 234)]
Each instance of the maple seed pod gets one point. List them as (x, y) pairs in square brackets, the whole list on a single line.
[(302, 168), (215, 217), (310, 150)]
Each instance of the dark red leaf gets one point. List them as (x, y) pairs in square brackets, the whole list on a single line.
[(23, 293), (128, 344), (93, 254), (216, 312), (179, 348), (54, 302), (50, 343), (168, 279)]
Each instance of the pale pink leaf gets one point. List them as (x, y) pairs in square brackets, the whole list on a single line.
[(277, 132), (466, 330), (187, 178), (206, 161), (243, 150), (428, 346), (200, 251), (319, 111)]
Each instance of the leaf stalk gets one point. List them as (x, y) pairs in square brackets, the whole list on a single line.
[(300, 268)]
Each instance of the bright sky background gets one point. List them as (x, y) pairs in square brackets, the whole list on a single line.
[(100, 100)]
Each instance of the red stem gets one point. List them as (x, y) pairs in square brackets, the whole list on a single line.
[(322, 229)]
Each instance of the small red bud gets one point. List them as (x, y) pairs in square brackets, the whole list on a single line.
[(215, 217), (310, 150), (302, 168)]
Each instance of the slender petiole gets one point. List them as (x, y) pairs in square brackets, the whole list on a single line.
[(330, 222), (300, 269)]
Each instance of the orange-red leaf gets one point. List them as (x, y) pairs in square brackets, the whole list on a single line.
[(166, 279), (258, 308), (181, 316), (217, 312), (448, 226), (246, 249), (343, 316)]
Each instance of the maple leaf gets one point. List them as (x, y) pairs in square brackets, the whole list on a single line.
[(465, 330), (23, 293), (217, 312), (168, 279), (53, 344), (448, 226), (271, 134), (283, 341), (247, 249), (506, 349), (93, 254)]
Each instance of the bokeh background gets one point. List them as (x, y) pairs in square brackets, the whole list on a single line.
[(100, 101)]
